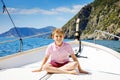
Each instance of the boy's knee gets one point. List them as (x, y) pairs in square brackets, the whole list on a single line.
[(75, 63), (46, 67)]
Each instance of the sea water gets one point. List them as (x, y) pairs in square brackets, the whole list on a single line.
[(113, 44), (9, 47)]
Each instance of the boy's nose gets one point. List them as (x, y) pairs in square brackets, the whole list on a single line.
[(59, 37)]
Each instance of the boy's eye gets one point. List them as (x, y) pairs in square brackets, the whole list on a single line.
[(59, 36)]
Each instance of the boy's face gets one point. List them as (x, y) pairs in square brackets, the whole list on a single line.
[(58, 37)]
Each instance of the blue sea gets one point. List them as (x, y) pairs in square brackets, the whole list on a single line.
[(14, 47)]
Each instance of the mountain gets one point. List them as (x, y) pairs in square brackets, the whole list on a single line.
[(99, 15), (25, 32)]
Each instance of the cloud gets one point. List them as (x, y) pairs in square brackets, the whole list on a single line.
[(73, 10), (61, 19)]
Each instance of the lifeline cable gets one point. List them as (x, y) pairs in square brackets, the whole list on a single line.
[(5, 9)]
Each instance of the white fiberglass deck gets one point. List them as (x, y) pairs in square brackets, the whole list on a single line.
[(101, 65)]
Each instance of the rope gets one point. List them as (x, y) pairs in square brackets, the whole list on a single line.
[(107, 33), (5, 9), (25, 37), (36, 35), (8, 41), (20, 39), (103, 33)]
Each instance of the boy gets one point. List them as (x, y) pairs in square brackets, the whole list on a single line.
[(59, 52)]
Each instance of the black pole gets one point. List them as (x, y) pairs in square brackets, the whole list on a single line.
[(77, 37)]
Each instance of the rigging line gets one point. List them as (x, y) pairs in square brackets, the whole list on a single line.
[(5, 9), (107, 33), (25, 37), (8, 41), (36, 35)]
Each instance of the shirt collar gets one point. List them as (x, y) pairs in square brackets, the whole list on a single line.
[(58, 46)]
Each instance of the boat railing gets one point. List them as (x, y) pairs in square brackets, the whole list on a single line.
[(5, 9), (40, 34), (21, 44), (104, 32)]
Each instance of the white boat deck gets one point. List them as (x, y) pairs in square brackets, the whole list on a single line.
[(101, 64)]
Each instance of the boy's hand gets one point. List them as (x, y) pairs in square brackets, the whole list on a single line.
[(84, 72), (38, 70)]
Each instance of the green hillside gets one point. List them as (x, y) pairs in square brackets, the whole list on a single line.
[(101, 15)]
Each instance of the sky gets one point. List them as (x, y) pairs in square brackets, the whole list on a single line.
[(39, 13)]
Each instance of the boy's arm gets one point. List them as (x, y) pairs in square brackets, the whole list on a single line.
[(79, 67), (43, 62), (75, 59)]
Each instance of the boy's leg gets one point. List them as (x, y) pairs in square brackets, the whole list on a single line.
[(51, 69), (70, 66)]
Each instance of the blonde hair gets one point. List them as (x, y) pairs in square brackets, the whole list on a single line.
[(57, 30)]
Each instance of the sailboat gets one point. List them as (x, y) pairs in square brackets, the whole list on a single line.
[(101, 62)]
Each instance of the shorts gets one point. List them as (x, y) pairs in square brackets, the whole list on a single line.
[(56, 64)]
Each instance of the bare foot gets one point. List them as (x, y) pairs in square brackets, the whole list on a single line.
[(73, 72)]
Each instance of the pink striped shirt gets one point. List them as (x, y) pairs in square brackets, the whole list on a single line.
[(59, 54)]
